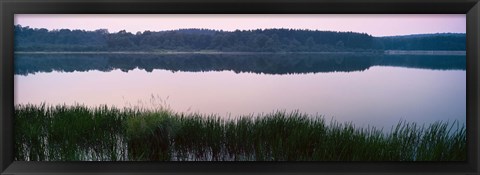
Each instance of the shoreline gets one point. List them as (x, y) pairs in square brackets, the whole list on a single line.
[(386, 52), (424, 52), (186, 52)]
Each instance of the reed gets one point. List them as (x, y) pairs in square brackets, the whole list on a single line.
[(72, 133)]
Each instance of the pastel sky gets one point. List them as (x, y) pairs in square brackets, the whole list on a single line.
[(373, 24)]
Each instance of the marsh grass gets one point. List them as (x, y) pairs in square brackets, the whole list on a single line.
[(80, 133)]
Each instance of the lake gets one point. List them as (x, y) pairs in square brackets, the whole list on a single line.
[(365, 89)]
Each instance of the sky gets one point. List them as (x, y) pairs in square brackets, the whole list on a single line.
[(373, 24)]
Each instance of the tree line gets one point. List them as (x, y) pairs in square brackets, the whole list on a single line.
[(267, 40)]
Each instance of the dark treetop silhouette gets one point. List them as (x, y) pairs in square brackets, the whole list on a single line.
[(269, 40)]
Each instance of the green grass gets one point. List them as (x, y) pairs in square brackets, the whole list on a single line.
[(80, 133)]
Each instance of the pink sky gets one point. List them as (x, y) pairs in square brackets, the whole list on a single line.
[(374, 24)]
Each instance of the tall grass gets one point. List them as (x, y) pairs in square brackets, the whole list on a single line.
[(80, 133)]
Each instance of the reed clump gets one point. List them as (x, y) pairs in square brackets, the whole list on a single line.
[(72, 133)]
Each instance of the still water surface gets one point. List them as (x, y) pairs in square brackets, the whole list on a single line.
[(375, 90)]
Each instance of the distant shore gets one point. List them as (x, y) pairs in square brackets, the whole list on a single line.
[(424, 52), (386, 52), (185, 52)]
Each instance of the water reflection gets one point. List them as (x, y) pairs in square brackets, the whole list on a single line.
[(247, 63), (367, 90)]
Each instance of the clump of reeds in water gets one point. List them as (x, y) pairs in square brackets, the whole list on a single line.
[(69, 133)]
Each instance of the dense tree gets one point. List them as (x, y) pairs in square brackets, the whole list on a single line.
[(445, 41), (269, 40)]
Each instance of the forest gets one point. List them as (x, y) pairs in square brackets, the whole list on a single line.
[(267, 40), (273, 64)]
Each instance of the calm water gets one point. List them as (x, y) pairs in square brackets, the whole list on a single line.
[(375, 90)]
